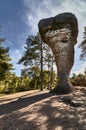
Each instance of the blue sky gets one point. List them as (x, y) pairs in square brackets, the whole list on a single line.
[(19, 18)]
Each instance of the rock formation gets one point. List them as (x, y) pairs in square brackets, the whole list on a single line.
[(60, 33)]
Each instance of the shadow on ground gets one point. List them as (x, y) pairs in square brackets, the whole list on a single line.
[(12, 97), (41, 112), (21, 103)]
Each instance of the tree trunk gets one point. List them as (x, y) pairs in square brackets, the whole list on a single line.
[(41, 66)]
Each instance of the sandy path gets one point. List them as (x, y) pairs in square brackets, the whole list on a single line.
[(35, 110)]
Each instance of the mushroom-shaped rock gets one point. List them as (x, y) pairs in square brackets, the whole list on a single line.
[(60, 33)]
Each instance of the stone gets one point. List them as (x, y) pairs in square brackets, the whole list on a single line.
[(60, 33)]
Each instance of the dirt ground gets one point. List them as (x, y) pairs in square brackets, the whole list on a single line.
[(41, 110)]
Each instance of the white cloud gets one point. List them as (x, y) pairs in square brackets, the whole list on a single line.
[(49, 8), (37, 10), (16, 55)]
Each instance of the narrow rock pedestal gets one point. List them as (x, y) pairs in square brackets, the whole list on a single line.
[(60, 33)]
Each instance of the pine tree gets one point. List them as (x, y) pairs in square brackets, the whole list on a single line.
[(37, 54), (33, 55), (83, 46), (5, 65)]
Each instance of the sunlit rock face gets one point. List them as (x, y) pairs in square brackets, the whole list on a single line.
[(60, 33)]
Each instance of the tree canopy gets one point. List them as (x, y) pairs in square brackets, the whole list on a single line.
[(37, 54), (83, 46), (5, 65)]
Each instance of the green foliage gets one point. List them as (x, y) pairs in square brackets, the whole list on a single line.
[(39, 55), (9, 82), (13, 83), (83, 46), (5, 65), (49, 79), (32, 51), (79, 80), (33, 60)]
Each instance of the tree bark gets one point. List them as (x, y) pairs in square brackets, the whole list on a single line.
[(41, 67)]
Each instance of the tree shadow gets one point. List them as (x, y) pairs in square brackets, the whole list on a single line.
[(13, 98), (64, 117), (46, 114), (22, 102)]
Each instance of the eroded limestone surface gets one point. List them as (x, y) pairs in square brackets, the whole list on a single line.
[(60, 33)]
